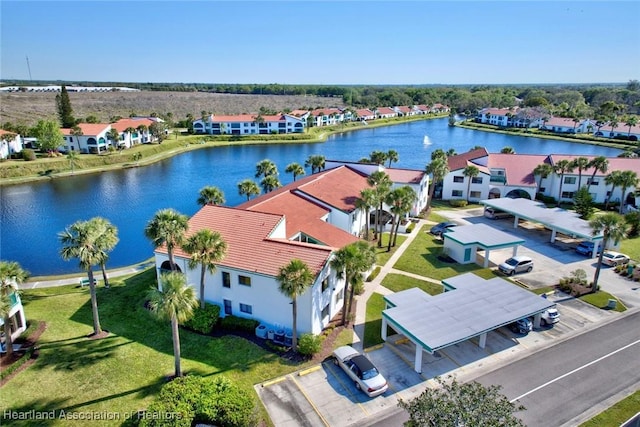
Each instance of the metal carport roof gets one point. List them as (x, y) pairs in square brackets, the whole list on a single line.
[(475, 306), (485, 236)]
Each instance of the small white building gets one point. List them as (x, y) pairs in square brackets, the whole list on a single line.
[(249, 124), (133, 131), (93, 138), (10, 144), (462, 243), (17, 318)]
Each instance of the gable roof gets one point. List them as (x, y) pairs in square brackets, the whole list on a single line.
[(6, 132), (385, 110), (405, 176), (459, 161), (562, 122), (615, 163), (88, 129), (518, 167), (123, 124)]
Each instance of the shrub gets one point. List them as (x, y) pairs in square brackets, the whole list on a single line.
[(410, 227), (358, 287), (309, 344), (28, 155), (234, 323), (205, 319), (458, 203), (374, 274)]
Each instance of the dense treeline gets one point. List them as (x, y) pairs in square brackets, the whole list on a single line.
[(584, 100)]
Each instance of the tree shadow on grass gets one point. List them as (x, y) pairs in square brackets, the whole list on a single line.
[(40, 412)]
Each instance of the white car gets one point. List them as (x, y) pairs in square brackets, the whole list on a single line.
[(360, 369), (614, 258), (550, 316)]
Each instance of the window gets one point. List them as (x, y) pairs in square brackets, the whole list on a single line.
[(339, 296), (325, 284), (567, 194), (245, 308), (458, 179), (475, 194), (594, 182), (244, 280), (476, 180), (325, 311), (226, 279), (542, 190), (569, 179), (456, 193), (227, 308)]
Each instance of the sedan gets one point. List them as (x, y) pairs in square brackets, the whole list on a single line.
[(361, 371), (443, 227), (614, 258)]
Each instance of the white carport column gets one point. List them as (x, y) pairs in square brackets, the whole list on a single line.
[(418, 364), (486, 258), (383, 332), (516, 219), (553, 235), (483, 340), (536, 320), (515, 251)]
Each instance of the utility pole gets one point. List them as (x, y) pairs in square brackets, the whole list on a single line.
[(29, 68)]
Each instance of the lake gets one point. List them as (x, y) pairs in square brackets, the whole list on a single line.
[(33, 214)]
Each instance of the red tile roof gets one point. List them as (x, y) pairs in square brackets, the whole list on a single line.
[(518, 167), (385, 110), (88, 129), (499, 111), (249, 246), (615, 163), (561, 121), (404, 109), (123, 124), (405, 176), (460, 161), (326, 111), (6, 132), (364, 112)]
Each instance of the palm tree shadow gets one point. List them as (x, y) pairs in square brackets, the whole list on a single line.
[(46, 410)]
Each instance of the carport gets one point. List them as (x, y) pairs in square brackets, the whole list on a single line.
[(472, 307), (555, 219), (462, 242)]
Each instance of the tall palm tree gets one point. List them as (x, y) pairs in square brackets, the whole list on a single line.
[(630, 121), (77, 132), (438, 168), (167, 227), (350, 262), (378, 157), (470, 172), (114, 136), (316, 162), (294, 279), (614, 179), (628, 179), (265, 168), (613, 228), (599, 164), (73, 158), (365, 202), (400, 201), (206, 248), (613, 122), (85, 240), (108, 240), (295, 169), (580, 163), (392, 156), (248, 187), (11, 276), (175, 301), (543, 170), (561, 168), (211, 195), (381, 184), (270, 183)]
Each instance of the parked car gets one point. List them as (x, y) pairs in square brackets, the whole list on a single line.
[(614, 258), (516, 264), (361, 370), (586, 248), (493, 213), (441, 228), (522, 326), (550, 316)]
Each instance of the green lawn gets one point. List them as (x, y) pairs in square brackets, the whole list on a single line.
[(382, 256), (373, 321), (631, 247), (617, 414), (123, 372), (600, 299), (399, 282)]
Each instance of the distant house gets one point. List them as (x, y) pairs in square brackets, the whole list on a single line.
[(496, 116), (326, 116), (567, 125), (365, 114), (404, 111), (93, 139), (133, 131), (249, 124), (385, 112), (439, 108), (10, 144), (620, 131)]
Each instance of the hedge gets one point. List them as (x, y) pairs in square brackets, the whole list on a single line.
[(234, 323), (204, 319)]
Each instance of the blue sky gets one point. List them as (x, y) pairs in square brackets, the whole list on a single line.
[(322, 42)]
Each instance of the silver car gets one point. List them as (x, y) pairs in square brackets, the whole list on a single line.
[(360, 369), (516, 264)]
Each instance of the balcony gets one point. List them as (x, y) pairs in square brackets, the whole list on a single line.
[(501, 179)]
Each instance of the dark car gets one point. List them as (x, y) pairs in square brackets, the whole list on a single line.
[(586, 248), (522, 326), (443, 227)]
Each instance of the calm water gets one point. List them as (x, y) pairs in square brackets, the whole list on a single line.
[(33, 214)]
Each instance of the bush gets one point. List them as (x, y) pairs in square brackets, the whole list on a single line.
[(458, 203), (234, 323), (410, 227), (28, 155), (358, 288), (204, 320), (309, 344), (374, 274)]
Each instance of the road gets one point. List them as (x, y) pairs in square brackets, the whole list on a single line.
[(570, 382)]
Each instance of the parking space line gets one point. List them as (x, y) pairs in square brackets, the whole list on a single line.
[(346, 388), (308, 371), (275, 381), (309, 400), (451, 358)]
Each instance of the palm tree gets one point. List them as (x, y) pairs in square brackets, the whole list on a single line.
[(630, 121), (378, 157), (543, 170), (11, 276), (316, 162), (265, 168), (400, 201), (613, 122), (628, 179), (270, 183), (470, 172), (294, 279), (508, 150), (350, 262), (392, 156), (73, 158), (614, 179), (136, 157), (211, 195), (599, 164), (77, 132), (365, 203), (580, 163), (613, 228), (562, 167), (167, 227), (438, 168), (248, 187), (85, 240), (175, 302), (381, 184), (295, 169), (205, 248), (106, 243), (114, 136)]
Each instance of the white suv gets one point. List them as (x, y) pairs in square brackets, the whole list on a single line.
[(516, 264), (550, 316)]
